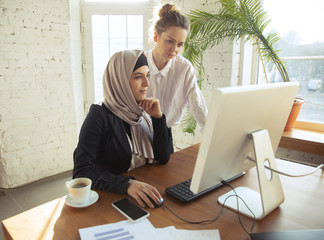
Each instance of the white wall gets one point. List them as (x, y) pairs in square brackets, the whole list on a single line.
[(38, 92), (41, 96)]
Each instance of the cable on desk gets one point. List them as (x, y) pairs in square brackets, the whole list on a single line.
[(321, 166), (221, 211), (238, 207), (195, 222)]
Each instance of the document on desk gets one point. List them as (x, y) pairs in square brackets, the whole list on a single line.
[(120, 230), (180, 234), (143, 229)]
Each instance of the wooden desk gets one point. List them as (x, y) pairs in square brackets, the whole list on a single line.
[(302, 209)]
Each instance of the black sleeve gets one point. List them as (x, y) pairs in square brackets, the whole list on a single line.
[(162, 140), (91, 139)]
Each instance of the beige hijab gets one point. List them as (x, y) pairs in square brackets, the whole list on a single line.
[(118, 97)]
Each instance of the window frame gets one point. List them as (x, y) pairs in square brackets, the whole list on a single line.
[(253, 75), (107, 8)]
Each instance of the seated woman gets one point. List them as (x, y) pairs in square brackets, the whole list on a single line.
[(127, 130)]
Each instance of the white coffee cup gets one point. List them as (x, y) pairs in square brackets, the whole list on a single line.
[(79, 188)]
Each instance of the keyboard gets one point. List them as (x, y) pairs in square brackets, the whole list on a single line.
[(182, 192)]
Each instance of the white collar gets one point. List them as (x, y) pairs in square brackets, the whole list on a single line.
[(154, 70)]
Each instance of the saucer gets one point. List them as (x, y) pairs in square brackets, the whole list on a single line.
[(92, 199)]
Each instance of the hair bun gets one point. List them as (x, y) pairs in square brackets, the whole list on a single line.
[(167, 8), (170, 16)]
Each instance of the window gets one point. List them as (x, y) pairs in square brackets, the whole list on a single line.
[(300, 24), (107, 28), (110, 34)]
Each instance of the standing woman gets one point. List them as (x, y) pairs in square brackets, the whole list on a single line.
[(172, 77), (126, 131)]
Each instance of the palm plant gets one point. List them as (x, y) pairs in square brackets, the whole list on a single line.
[(236, 19)]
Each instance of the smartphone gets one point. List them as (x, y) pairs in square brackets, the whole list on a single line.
[(130, 210)]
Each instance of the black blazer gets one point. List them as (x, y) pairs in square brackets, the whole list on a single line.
[(103, 152)]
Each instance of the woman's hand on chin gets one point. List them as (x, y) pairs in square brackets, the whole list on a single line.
[(152, 107)]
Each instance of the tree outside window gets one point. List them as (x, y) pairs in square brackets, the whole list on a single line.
[(300, 25)]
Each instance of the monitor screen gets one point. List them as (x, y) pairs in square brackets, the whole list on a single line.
[(234, 113)]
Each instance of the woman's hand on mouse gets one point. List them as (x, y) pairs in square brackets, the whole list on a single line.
[(152, 107), (140, 192)]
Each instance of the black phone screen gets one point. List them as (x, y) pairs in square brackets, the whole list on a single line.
[(130, 209)]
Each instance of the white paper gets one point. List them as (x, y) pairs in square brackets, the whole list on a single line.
[(125, 230), (179, 234), (143, 230)]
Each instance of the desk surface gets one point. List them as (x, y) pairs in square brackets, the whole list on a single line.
[(303, 207)]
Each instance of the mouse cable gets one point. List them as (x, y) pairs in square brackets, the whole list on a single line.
[(221, 211), (195, 222), (238, 207)]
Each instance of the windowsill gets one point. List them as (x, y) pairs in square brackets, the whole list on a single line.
[(302, 140)]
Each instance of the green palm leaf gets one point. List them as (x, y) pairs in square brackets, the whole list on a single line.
[(236, 19), (189, 124)]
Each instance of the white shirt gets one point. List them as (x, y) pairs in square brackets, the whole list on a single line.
[(176, 87)]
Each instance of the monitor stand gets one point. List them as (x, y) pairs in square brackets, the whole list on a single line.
[(271, 194)]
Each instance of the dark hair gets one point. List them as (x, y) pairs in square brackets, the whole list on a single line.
[(141, 61), (169, 17)]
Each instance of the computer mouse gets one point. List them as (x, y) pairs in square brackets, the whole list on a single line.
[(154, 203)]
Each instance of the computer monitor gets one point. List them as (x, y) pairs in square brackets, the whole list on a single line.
[(243, 129)]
